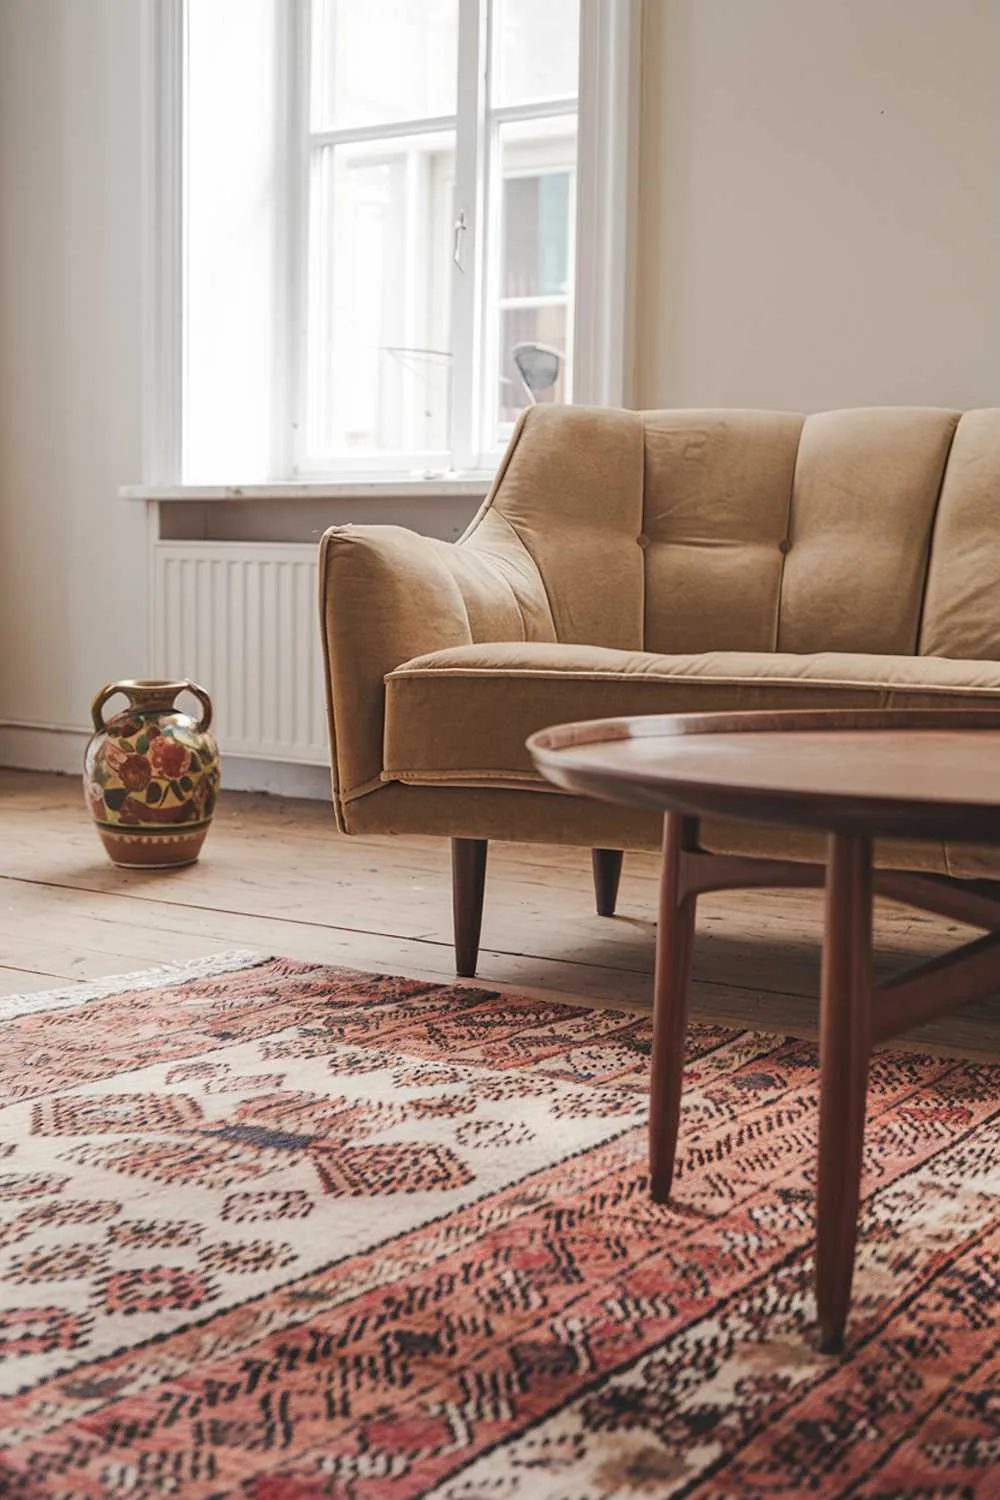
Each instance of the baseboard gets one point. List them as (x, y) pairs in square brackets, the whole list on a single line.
[(42, 747), (59, 748), (281, 778)]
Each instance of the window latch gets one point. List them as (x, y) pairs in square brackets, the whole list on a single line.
[(460, 227)]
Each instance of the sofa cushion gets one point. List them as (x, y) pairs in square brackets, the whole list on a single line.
[(962, 603), (866, 487), (718, 489), (462, 715), (570, 488)]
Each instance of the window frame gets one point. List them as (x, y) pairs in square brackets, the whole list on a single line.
[(603, 319)]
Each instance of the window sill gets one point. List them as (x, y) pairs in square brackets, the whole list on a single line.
[(361, 487)]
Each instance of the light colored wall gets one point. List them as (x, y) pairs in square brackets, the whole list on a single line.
[(820, 211), (71, 575)]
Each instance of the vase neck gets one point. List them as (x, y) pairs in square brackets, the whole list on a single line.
[(152, 697)]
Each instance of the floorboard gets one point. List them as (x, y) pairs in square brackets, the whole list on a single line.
[(276, 877)]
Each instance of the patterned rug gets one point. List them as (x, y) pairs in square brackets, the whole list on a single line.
[(280, 1231)]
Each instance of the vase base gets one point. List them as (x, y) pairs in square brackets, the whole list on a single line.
[(149, 864), (153, 851)]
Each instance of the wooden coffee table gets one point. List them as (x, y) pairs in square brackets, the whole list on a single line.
[(855, 776)]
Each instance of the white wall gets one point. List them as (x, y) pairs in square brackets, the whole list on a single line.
[(821, 203), (71, 554)]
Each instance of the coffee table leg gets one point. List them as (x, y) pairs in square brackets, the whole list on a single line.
[(844, 1046), (674, 944)]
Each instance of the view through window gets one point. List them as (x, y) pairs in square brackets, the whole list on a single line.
[(442, 166)]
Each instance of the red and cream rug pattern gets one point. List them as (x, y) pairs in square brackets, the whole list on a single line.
[(280, 1231)]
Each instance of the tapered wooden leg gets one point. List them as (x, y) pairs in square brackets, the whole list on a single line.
[(607, 873), (844, 1045), (468, 882), (674, 944)]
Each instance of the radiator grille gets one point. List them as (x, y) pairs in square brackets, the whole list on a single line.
[(241, 619)]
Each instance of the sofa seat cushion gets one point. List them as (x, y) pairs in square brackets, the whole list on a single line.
[(461, 716)]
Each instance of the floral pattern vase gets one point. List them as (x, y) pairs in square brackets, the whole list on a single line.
[(151, 775)]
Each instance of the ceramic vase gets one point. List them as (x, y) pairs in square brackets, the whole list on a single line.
[(151, 775)]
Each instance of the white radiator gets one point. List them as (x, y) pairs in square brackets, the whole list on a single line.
[(241, 619)]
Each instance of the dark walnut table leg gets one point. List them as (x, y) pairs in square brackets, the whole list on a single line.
[(844, 1048), (674, 945)]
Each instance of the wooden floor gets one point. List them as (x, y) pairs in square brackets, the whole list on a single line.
[(275, 877)]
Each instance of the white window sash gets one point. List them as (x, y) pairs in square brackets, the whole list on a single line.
[(607, 202), (292, 233), (472, 169), (162, 83), (314, 463)]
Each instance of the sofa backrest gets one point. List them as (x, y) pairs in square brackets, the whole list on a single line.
[(871, 530), (775, 532), (962, 596)]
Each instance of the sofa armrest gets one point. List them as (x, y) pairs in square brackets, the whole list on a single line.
[(387, 595)]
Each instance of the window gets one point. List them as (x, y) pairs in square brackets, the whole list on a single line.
[(441, 203), (379, 263)]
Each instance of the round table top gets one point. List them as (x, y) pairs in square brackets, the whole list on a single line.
[(904, 773)]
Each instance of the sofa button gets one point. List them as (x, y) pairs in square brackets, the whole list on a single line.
[(642, 540), (784, 546)]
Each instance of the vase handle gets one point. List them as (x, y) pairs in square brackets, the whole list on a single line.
[(147, 695), (206, 705), (96, 708)]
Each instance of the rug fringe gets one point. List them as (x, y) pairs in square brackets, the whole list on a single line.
[(117, 984)]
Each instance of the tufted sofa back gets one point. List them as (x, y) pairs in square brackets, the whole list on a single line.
[(875, 530)]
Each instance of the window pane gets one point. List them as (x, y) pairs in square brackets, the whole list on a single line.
[(534, 296), (379, 62), (533, 368), (536, 235), (379, 304), (536, 48), (230, 308)]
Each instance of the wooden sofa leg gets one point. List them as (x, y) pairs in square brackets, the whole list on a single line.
[(607, 873), (468, 882)]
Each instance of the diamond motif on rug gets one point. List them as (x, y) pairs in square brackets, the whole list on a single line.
[(113, 1114), (252, 1208), (154, 1234), (57, 1263), (418, 1256), (397, 1167), (198, 1162), (246, 1256), (30, 1184), (154, 1289), (38, 1330)]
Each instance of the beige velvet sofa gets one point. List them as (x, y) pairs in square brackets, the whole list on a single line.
[(658, 562)]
